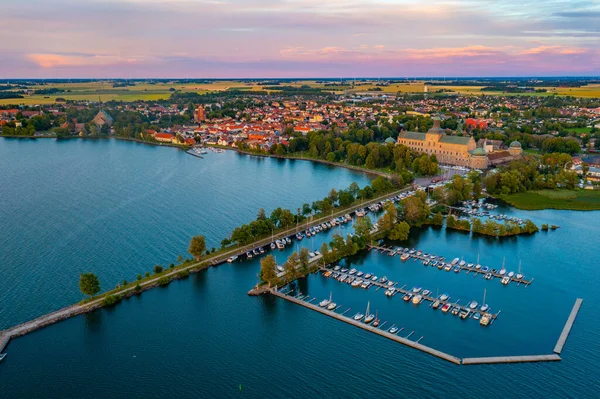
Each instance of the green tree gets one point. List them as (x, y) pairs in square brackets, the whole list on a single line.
[(304, 257), (158, 269), (268, 269), (89, 284), (197, 246), (399, 232), (437, 219)]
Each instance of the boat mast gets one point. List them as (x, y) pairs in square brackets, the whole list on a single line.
[(484, 292), (368, 305), (519, 266)]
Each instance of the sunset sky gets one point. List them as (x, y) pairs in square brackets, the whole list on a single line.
[(297, 38)]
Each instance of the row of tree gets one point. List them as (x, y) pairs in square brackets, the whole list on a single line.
[(490, 227)]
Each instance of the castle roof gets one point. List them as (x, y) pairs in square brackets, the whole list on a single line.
[(515, 144)]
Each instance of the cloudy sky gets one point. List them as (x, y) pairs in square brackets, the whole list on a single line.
[(298, 38)]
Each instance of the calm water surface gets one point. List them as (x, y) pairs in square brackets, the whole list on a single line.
[(119, 208)]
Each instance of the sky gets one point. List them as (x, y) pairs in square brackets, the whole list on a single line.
[(298, 38)]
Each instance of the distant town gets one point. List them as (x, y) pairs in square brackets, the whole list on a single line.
[(453, 127)]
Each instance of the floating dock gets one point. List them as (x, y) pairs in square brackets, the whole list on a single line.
[(511, 359), (415, 344), (392, 252), (376, 330), (425, 297), (568, 325)]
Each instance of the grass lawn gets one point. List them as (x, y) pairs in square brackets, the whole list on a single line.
[(578, 200), (580, 130)]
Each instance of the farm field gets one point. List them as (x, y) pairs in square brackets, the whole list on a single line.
[(104, 91)]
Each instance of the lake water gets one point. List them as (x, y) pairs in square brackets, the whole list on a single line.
[(118, 208)]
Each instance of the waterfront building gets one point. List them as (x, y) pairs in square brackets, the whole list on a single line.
[(458, 150), (102, 118)]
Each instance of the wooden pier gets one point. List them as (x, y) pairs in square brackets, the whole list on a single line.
[(568, 325), (392, 252), (425, 297)]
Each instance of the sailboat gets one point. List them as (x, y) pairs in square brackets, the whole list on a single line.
[(484, 305), (503, 270), (376, 322), (519, 275), (477, 266), (368, 316), (325, 302)]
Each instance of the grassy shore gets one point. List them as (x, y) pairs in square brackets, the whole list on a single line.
[(576, 200)]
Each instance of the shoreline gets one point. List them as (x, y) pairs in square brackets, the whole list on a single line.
[(321, 161), (539, 202)]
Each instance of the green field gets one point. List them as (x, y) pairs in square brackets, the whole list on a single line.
[(577, 200), (580, 130), (104, 91)]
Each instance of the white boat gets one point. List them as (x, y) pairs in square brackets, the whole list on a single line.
[(368, 316), (484, 307), (352, 271), (311, 254), (416, 290), (358, 316), (505, 280), (249, 255), (232, 259), (426, 292), (357, 282), (393, 330), (485, 319), (503, 270), (280, 268), (317, 253), (444, 297), (273, 246), (476, 316), (519, 275), (331, 306), (417, 299), (510, 274), (473, 304), (280, 244), (287, 239), (325, 302)]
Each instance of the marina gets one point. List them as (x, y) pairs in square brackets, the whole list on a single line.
[(417, 295), (456, 265), (568, 326), (391, 333)]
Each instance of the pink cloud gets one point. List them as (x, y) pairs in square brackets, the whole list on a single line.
[(59, 60)]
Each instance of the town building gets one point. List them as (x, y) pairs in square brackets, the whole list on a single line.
[(200, 114), (102, 118), (458, 150)]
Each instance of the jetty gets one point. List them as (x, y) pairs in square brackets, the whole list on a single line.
[(418, 255), (511, 359), (307, 303), (568, 325), (194, 154), (211, 260), (367, 327), (424, 297)]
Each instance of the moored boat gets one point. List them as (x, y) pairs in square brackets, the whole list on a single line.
[(446, 307), (358, 316), (232, 259), (331, 306), (417, 299)]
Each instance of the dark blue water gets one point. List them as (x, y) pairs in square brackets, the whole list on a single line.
[(203, 336)]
